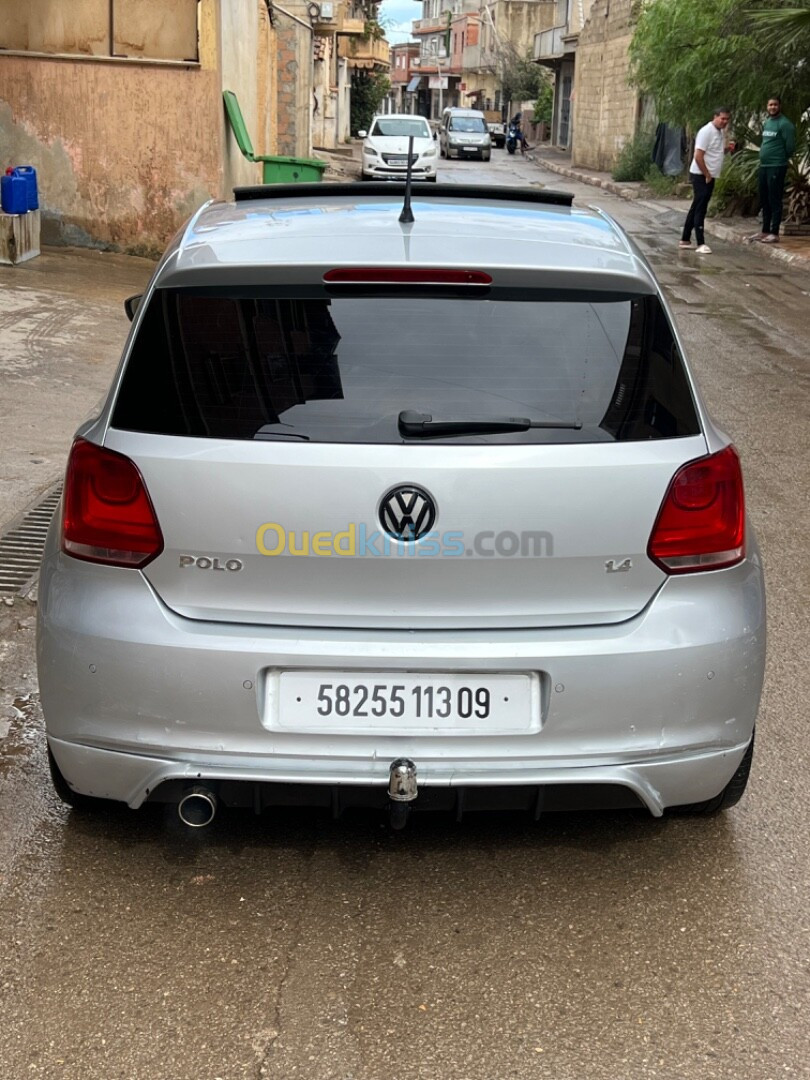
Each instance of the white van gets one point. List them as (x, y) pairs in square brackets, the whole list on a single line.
[(464, 133)]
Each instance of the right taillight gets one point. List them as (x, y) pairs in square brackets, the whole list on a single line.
[(108, 515), (701, 523)]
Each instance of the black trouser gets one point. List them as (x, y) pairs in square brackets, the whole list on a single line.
[(771, 193), (702, 189)]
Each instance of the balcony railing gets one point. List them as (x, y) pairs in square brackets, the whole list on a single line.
[(365, 52), (549, 44), (337, 21), (439, 22), (347, 25)]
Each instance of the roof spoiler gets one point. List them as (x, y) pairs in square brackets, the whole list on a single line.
[(358, 191)]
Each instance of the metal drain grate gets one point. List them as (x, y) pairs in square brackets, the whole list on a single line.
[(22, 546)]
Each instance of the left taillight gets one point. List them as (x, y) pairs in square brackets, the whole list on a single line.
[(108, 515)]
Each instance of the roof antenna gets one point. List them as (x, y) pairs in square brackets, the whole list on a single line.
[(406, 217)]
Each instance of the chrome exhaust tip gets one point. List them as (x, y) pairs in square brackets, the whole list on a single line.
[(197, 807)]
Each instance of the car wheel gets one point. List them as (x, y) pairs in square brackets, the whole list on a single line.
[(65, 791), (729, 796), (486, 157)]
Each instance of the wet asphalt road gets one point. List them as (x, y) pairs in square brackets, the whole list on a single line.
[(593, 946)]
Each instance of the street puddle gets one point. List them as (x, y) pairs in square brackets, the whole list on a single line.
[(20, 729)]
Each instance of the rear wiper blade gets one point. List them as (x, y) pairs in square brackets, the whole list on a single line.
[(415, 425)]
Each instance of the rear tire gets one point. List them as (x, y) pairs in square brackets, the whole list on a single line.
[(729, 796)]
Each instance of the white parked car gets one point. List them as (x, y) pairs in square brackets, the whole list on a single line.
[(385, 148)]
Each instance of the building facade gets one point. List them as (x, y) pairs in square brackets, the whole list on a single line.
[(120, 108), (404, 76), (465, 47), (440, 66), (608, 112)]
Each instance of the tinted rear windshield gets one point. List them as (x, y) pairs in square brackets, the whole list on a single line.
[(343, 369)]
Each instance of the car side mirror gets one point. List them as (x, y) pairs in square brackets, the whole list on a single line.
[(131, 305), (362, 134), (435, 134)]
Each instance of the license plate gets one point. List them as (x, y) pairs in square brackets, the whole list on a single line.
[(403, 703), (397, 161), (470, 149)]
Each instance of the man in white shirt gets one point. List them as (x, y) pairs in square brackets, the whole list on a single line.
[(710, 149)]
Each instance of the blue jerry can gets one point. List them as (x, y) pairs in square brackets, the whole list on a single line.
[(14, 194), (29, 174)]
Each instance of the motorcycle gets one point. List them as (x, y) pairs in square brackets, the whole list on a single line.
[(512, 138)]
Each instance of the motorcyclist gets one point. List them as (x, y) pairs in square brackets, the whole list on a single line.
[(515, 123)]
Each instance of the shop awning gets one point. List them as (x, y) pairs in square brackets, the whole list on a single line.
[(413, 85)]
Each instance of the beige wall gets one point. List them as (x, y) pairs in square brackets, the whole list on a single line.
[(150, 28), (126, 151), (245, 35), (605, 106), (516, 23), (331, 97), (293, 102), (123, 153)]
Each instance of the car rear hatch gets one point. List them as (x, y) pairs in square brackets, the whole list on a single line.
[(284, 438)]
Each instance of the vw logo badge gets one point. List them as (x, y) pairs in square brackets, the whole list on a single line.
[(407, 512)]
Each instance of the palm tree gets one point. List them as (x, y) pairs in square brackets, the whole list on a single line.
[(787, 30)]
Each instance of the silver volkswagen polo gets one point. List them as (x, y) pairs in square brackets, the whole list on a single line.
[(415, 514)]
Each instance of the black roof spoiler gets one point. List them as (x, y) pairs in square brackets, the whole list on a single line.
[(357, 190)]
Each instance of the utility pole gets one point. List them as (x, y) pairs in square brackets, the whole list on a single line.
[(439, 61)]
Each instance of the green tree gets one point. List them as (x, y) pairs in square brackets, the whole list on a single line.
[(544, 105), (368, 90), (520, 79), (693, 55), (785, 28)]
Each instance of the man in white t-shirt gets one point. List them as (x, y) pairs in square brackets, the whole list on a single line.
[(710, 149)]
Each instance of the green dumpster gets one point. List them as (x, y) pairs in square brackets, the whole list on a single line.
[(291, 170), (275, 169)]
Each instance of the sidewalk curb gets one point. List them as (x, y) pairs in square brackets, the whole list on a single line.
[(714, 228), (622, 190)]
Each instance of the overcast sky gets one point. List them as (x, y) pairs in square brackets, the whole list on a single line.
[(397, 15)]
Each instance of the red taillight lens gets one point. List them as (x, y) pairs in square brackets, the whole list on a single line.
[(404, 275), (109, 517), (701, 524)]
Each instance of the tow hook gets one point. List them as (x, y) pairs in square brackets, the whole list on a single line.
[(402, 790)]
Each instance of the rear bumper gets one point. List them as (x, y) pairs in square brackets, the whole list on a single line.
[(133, 778), (135, 696), (480, 152)]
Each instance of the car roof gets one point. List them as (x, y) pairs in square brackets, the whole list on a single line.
[(292, 234)]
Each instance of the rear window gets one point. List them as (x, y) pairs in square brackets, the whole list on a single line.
[(342, 369)]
